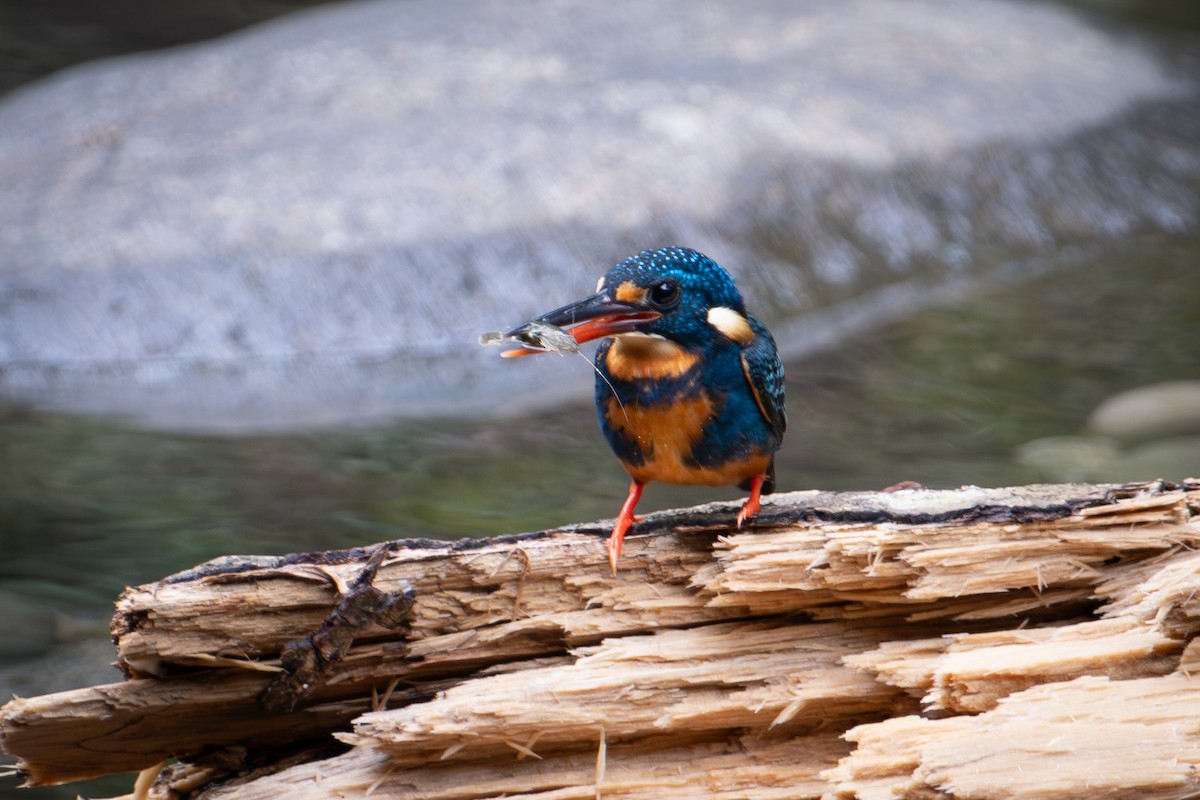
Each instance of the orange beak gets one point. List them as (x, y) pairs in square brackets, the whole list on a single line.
[(591, 318)]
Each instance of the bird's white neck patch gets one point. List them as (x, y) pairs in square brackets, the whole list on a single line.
[(731, 324)]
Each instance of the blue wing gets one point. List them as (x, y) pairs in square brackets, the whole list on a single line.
[(764, 372)]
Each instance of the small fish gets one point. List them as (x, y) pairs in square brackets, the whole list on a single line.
[(542, 337), (534, 337)]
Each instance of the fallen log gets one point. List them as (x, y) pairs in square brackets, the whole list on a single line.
[(779, 660), (1090, 737)]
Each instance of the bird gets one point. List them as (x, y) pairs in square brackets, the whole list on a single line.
[(689, 386)]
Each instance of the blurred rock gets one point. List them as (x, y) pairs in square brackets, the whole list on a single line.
[(1069, 459), (311, 221), (38, 37), (1149, 412)]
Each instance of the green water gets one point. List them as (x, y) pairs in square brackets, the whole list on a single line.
[(945, 398), (88, 506)]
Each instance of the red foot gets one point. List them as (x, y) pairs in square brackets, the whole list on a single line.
[(751, 506), (624, 521)]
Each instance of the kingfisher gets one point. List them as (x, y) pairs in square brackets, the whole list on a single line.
[(689, 385)]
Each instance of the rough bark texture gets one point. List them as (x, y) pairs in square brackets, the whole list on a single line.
[(914, 644)]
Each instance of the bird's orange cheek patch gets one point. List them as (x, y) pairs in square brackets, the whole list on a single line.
[(630, 293)]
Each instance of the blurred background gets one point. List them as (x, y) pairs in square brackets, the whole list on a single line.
[(246, 250)]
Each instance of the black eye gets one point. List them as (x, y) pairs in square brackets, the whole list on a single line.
[(664, 294)]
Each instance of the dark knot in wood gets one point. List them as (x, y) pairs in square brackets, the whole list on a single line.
[(307, 661)]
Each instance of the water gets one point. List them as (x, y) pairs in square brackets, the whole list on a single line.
[(944, 398)]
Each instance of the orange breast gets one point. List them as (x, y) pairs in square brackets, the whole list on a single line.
[(666, 434)]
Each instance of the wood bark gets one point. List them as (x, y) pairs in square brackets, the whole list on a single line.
[(908, 644)]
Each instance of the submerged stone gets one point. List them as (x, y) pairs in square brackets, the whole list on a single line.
[(1147, 412), (313, 220)]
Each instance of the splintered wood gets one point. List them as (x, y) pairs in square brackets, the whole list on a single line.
[(1035, 642), (1090, 737), (733, 676)]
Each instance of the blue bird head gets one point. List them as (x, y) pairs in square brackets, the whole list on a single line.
[(672, 292)]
